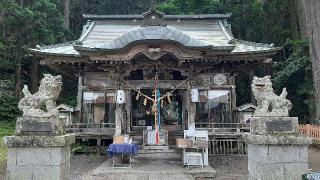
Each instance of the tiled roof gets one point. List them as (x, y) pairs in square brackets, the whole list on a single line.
[(207, 31), (155, 33), (58, 49), (117, 31)]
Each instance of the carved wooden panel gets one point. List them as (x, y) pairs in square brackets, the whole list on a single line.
[(201, 80), (99, 79), (220, 79)]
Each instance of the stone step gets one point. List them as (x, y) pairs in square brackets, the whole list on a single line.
[(139, 143), (158, 152), (139, 140), (156, 155), (155, 147), (137, 137), (144, 151)]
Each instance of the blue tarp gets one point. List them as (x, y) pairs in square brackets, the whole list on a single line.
[(122, 149)]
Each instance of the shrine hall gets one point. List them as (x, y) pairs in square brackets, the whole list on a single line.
[(164, 72)]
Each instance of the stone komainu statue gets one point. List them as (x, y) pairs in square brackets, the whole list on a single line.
[(269, 104), (34, 105)]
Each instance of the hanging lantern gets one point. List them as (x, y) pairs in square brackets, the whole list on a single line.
[(194, 95), (138, 96), (121, 97)]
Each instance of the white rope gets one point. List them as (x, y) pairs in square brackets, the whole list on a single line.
[(166, 95)]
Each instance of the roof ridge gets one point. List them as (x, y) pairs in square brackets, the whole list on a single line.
[(85, 32), (225, 31), (140, 16)]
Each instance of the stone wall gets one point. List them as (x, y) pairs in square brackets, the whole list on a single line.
[(38, 157), (276, 151), (43, 163), (273, 162)]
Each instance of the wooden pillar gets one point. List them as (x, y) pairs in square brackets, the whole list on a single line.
[(128, 110), (119, 118), (233, 92), (253, 99), (192, 115), (191, 110), (184, 94), (233, 104), (99, 145), (79, 95)]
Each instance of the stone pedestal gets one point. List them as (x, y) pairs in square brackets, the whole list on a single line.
[(38, 157), (39, 126), (276, 151)]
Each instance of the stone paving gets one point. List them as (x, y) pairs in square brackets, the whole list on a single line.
[(144, 168), (153, 168)]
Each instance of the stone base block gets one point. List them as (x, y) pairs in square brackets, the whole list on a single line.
[(39, 141), (286, 140), (277, 162), (274, 125), (36, 126), (43, 161)]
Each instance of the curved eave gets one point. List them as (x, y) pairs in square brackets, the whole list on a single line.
[(154, 42), (38, 53), (272, 51), (227, 53)]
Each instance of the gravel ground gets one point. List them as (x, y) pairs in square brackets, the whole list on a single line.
[(230, 167), (82, 166)]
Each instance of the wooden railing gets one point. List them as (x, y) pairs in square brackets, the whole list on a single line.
[(227, 147), (312, 131), (223, 127)]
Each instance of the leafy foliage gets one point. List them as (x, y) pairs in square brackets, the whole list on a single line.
[(295, 74), (243, 89), (24, 24), (68, 93), (9, 107)]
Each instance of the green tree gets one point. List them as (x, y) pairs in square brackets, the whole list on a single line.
[(296, 68), (24, 24)]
